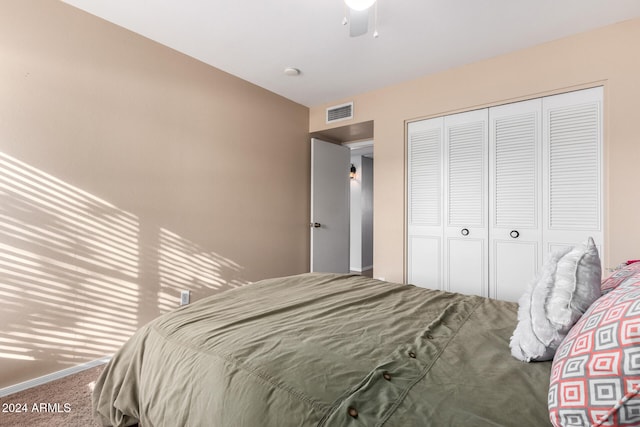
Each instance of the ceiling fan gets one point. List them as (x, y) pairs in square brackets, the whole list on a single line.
[(359, 11)]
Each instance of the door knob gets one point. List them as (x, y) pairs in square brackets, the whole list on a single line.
[(464, 231), (315, 225), (515, 234)]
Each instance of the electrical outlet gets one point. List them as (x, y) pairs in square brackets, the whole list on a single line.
[(185, 296)]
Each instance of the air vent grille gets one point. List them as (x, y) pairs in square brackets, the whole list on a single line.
[(340, 112)]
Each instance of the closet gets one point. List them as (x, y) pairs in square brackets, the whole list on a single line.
[(490, 192)]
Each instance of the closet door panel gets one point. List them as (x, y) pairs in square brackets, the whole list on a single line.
[(424, 203), (573, 168), (513, 266), (465, 207), (467, 265), (425, 261), (515, 193)]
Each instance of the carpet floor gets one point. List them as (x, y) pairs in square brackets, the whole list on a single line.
[(65, 402)]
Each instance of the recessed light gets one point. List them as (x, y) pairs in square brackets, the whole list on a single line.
[(290, 71)]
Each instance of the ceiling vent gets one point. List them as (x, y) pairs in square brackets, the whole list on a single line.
[(340, 112)]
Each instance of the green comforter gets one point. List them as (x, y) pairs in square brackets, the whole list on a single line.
[(326, 350)]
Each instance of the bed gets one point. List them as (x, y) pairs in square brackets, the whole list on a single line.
[(326, 350), (330, 350)]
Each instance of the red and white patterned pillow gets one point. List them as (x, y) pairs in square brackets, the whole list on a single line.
[(628, 272), (595, 375)]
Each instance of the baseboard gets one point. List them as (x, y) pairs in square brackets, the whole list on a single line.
[(360, 270), (52, 376)]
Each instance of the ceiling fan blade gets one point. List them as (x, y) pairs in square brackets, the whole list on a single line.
[(358, 22)]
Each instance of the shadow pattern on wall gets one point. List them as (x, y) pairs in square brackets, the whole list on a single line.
[(78, 275)]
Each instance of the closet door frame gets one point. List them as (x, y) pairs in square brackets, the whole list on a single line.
[(535, 239)]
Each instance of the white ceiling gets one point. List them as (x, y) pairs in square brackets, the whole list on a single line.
[(256, 39)]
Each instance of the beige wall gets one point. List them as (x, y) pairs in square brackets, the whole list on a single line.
[(607, 56), (129, 172)]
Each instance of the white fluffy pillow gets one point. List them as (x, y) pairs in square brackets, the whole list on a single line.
[(567, 285)]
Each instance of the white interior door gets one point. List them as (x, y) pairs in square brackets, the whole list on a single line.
[(572, 160), (424, 195), (329, 207), (515, 232), (466, 206)]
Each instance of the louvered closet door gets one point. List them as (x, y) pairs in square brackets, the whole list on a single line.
[(466, 207), (572, 141), (515, 181), (424, 195)]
